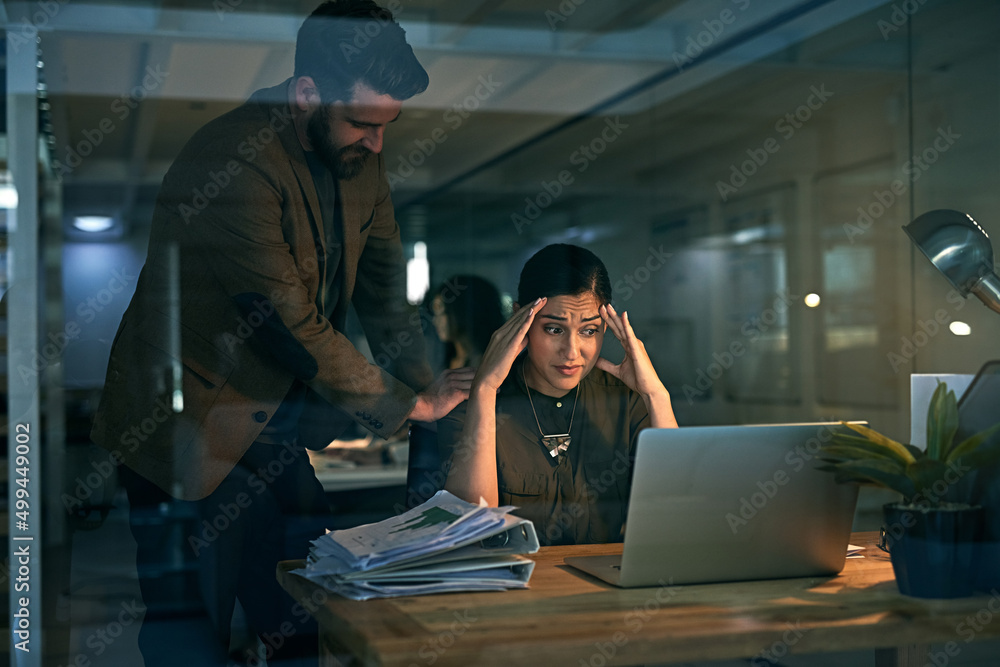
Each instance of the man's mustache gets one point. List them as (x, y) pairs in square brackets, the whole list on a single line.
[(355, 151)]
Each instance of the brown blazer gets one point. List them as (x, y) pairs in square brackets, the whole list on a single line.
[(228, 306)]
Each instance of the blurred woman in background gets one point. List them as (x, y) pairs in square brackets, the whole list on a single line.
[(467, 310)]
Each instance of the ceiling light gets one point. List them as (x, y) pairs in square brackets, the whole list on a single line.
[(812, 300), (93, 223), (8, 193), (960, 328), (418, 274), (8, 196)]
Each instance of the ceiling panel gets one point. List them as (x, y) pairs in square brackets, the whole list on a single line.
[(503, 75), (90, 66), (567, 87), (454, 77), (94, 130), (177, 120), (211, 72)]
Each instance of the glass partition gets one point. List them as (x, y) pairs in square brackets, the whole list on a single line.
[(748, 159), (956, 98), (742, 168)]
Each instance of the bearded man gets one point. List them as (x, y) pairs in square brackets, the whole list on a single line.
[(231, 358)]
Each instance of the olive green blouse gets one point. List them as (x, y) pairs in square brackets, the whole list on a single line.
[(581, 496)]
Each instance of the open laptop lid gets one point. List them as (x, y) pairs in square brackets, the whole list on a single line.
[(979, 406), (978, 410), (728, 503)]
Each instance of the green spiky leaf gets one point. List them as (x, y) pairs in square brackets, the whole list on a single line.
[(872, 449), (838, 452), (984, 452), (983, 440), (880, 439), (882, 473), (925, 476), (942, 422)]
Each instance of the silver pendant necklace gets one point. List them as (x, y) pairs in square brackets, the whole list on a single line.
[(555, 443)]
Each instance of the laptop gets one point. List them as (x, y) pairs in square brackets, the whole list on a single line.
[(730, 503), (977, 411)]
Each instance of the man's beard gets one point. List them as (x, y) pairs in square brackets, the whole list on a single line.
[(345, 163)]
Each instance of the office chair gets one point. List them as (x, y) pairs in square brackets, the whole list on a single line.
[(425, 473)]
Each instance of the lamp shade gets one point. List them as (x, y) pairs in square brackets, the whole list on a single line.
[(960, 249)]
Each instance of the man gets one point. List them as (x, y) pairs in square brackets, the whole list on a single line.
[(230, 358)]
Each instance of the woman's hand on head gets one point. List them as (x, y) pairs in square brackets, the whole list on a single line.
[(635, 370), (505, 344)]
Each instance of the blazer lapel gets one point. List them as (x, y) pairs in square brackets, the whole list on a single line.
[(297, 160), (349, 196)]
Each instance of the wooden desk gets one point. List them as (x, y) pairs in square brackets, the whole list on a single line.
[(569, 618)]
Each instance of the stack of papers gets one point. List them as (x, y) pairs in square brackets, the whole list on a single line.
[(444, 545)]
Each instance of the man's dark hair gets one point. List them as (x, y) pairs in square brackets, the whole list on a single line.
[(346, 41), (561, 269)]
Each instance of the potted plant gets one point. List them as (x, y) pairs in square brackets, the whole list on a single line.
[(932, 533)]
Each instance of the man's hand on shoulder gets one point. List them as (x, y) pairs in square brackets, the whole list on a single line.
[(448, 390)]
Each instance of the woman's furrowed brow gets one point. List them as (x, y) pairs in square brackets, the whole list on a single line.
[(560, 318)]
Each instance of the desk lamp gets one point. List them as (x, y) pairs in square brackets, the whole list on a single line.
[(961, 250)]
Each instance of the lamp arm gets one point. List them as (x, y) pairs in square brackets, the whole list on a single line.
[(988, 291)]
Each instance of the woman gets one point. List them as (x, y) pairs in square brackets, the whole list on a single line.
[(552, 430), (467, 310)]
